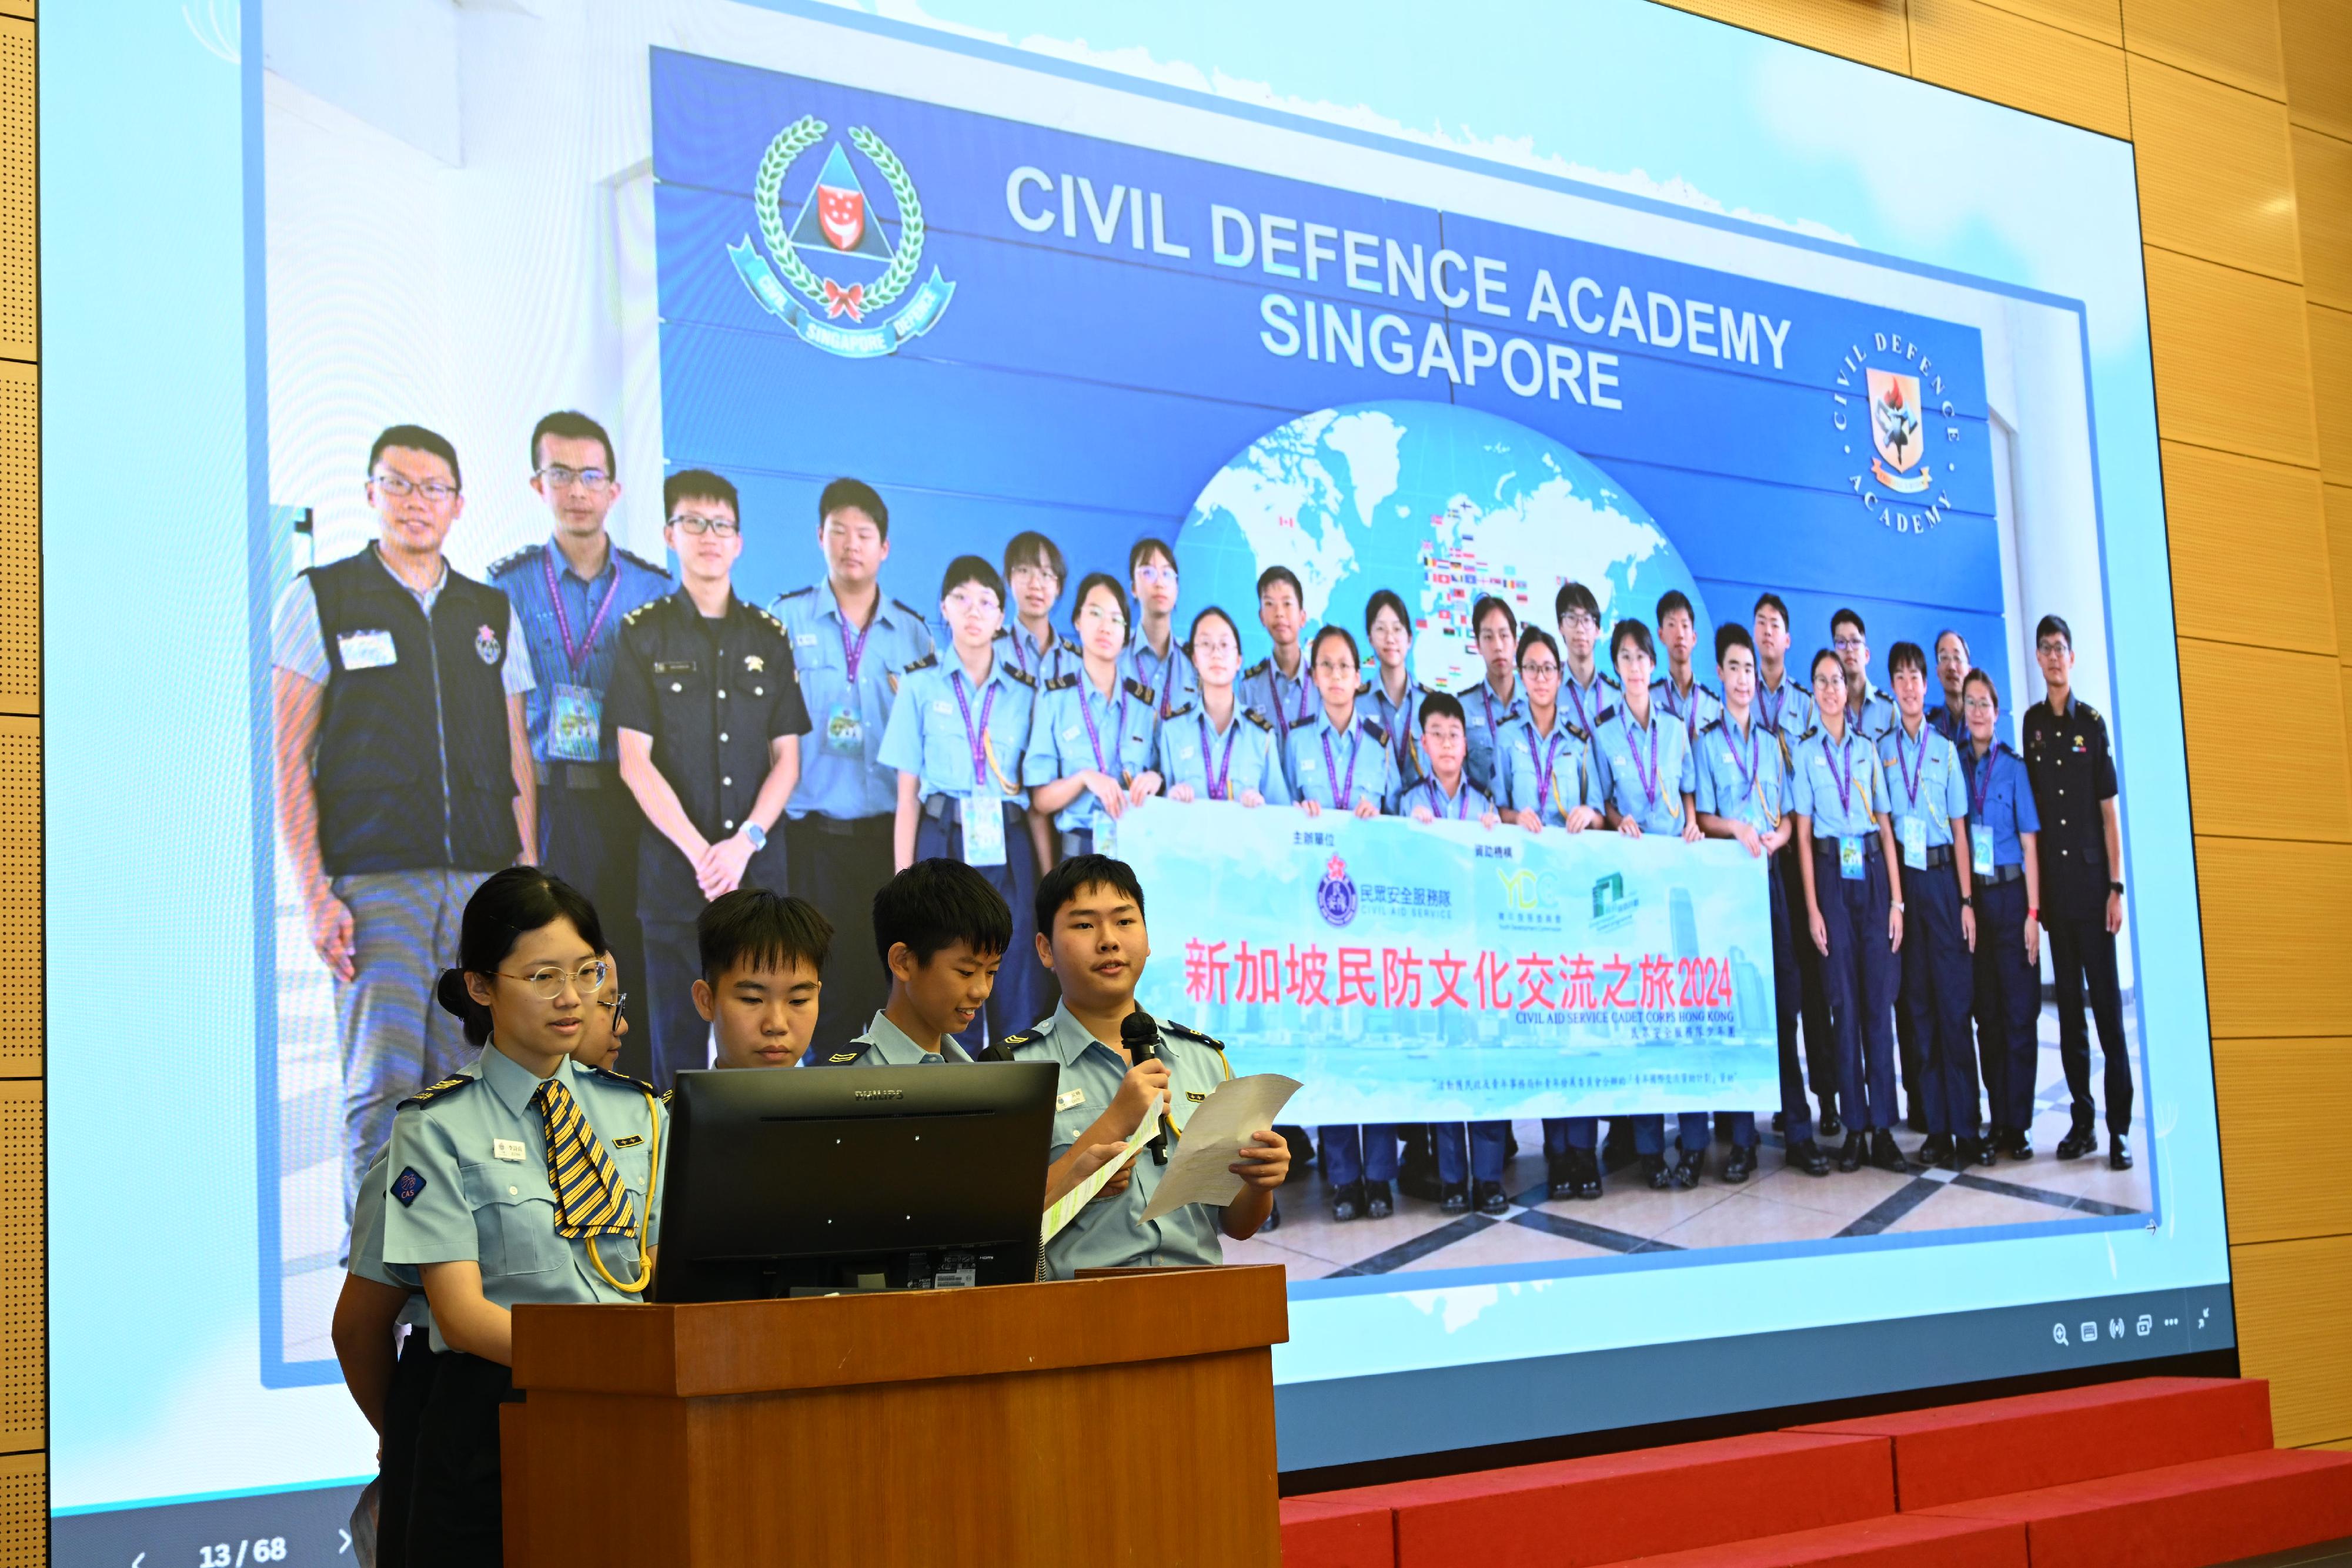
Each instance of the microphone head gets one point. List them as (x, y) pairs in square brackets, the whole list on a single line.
[(1139, 1033)]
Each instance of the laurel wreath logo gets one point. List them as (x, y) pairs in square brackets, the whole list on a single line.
[(767, 198)]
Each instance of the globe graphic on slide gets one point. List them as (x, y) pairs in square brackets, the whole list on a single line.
[(1442, 504)]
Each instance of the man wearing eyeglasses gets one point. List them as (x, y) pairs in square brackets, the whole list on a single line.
[(1871, 709), (1153, 655), (570, 592), (706, 710), (404, 774)]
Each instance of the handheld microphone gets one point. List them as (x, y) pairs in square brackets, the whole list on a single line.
[(1140, 1036)]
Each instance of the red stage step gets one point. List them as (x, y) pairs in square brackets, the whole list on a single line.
[(1320, 1532), (2181, 1516), (1962, 1451), (1910, 1540)]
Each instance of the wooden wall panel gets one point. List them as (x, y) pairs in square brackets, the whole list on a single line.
[(2099, 19), (2318, 39), (2331, 383), (2233, 41), (2233, 368), (1977, 48), (2217, 172), (2323, 199), (19, 296), (2266, 781), (2294, 1318), (2336, 501), (2282, 1099), (2245, 535), (2267, 973)]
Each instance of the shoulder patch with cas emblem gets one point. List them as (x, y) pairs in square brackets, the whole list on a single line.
[(406, 1186)]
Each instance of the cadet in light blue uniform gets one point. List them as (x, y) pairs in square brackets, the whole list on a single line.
[(1092, 909), (1587, 687), (1871, 709), (1092, 740), (1494, 701), (1033, 574), (1928, 800), (1153, 657), (1785, 704), (884, 1044), (1679, 689), (1219, 751), (377, 1299), (956, 735), (1645, 777), (850, 642), (1394, 696), (530, 1180), (1340, 761), (1853, 910), (2004, 827), (1287, 699), (1743, 794)]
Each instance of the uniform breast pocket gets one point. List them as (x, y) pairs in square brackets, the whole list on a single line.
[(514, 1218), (1071, 1121)]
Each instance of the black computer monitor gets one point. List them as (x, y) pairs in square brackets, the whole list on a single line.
[(795, 1181)]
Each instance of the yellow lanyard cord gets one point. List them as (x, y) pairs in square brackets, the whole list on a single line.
[(646, 1222)]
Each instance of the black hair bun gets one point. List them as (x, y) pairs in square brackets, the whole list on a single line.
[(451, 993)]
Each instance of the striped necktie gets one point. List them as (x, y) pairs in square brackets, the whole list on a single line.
[(589, 1197)]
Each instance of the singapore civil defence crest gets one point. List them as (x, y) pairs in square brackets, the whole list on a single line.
[(843, 270), (1335, 895), (1901, 434)]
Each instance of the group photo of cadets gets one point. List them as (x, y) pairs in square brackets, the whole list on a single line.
[(661, 742)]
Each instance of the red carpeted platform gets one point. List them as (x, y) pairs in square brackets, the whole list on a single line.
[(1909, 1540), (1957, 1452)]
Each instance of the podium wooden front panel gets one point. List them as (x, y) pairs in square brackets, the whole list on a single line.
[(1088, 1421)]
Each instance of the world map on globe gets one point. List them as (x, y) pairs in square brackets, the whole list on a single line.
[(1442, 504)]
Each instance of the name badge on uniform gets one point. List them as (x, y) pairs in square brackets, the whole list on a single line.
[(366, 650), (575, 724), (844, 732), (507, 1149), (1850, 864), (983, 829), (1105, 831), (1914, 843), (1068, 1098), (1980, 848)]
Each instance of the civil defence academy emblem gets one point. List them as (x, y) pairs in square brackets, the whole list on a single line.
[(838, 226), (1909, 446)]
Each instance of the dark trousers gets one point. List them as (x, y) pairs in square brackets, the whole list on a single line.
[(1691, 1132), (2080, 951), (1861, 975), (588, 837), (1813, 997), (1352, 1155), (679, 1036), (839, 864), (1483, 1145), (1938, 984), (1562, 1133), (2008, 1004), (1018, 1000), (454, 1517), (1796, 1115), (403, 1416)]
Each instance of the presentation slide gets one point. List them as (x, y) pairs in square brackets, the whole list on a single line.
[(1607, 573)]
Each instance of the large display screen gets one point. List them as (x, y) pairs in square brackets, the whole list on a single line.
[(1594, 320)]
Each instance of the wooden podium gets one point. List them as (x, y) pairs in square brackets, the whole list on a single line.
[(1093, 1421)]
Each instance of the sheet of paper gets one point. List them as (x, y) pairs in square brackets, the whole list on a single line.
[(1212, 1141), (1066, 1208)]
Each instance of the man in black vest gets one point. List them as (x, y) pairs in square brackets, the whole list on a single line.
[(404, 774)]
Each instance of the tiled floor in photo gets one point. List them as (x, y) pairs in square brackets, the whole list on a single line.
[(1776, 1204)]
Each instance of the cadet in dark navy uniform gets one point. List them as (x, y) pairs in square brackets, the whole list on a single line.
[(2003, 853), (707, 710), (2081, 848), (570, 592)]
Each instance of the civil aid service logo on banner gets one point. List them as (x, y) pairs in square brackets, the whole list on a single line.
[(1335, 895), (1888, 386), (836, 254)]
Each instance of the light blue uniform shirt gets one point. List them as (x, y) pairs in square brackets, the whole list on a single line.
[(589, 605), (1875, 711), (1697, 708), (1289, 700), (1922, 781), (1401, 719), (1469, 803), (1041, 663), (1488, 716), (884, 1044), (1109, 1233), (367, 1246), (841, 776), (1624, 777), (1786, 707), (1582, 706), (1360, 766), (1171, 681), (2000, 797), (1550, 774), (1835, 814), (1742, 774), (1120, 742), (929, 737), (1242, 755), (455, 1199)]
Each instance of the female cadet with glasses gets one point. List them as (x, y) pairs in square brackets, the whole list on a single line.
[(528, 1179), (1090, 745), (1215, 749)]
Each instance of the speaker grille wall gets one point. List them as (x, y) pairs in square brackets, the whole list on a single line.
[(20, 906), (24, 1512), (20, 539), (24, 1271), (19, 289)]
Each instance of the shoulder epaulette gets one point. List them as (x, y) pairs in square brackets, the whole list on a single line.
[(447, 1086), (842, 1057), (2004, 745), (612, 1077), (797, 593), (1603, 717), (1364, 689), (1609, 680), (1710, 726), (518, 557), (1377, 730), (1258, 719), (634, 559), (1469, 691), (1019, 1038), (772, 623), (1018, 675), (1180, 710), (1255, 671), (2088, 709), (1062, 682), (633, 617), (1570, 724), (925, 663), (1187, 1032), (1138, 690), (1424, 688), (1698, 686), (1811, 730), (902, 605)]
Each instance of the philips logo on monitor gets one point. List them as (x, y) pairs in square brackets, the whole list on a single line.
[(877, 1094), (1905, 431), (838, 226)]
